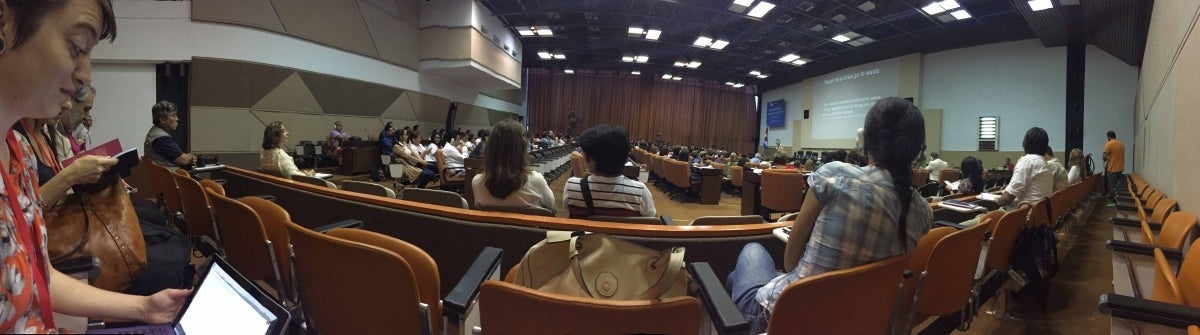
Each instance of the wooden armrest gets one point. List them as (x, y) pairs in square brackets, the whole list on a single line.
[(1142, 249), (724, 313), (348, 223), (486, 266), (1125, 222), (1143, 310)]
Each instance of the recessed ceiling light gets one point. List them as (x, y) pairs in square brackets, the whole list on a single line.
[(948, 4), (789, 58), (839, 18), (666, 76), (738, 85), (761, 76), (743, 3), (755, 73), (568, 71), (525, 32), (934, 8), (866, 6), (761, 9), (560, 56), (946, 17), (841, 38), (799, 62), (851, 34), (641, 58), (961, 14), (652, 34), (636, 30), (680, 63), (693, 64), (719, 44), (544, 55), (636, 73), (543, 31), (1037, 5), (676, 78), (626, 58), (702, 41)]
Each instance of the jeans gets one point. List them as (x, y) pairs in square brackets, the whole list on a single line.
[(754, 269), (1114, 179)]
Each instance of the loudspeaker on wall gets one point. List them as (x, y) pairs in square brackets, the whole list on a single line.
[(806, 114)]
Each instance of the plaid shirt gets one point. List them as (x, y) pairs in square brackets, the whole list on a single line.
[(856, 226)]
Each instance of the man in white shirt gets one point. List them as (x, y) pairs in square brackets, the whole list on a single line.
[(935, 166), (455, 156), (1032, 179)]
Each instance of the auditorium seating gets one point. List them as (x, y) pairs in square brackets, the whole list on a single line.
[(450, 179), (245, 243), (857, 300), (1172, 301), (368, 188), (435, 197), (197, 213), (166, 191), (782, 191), (313, 181)]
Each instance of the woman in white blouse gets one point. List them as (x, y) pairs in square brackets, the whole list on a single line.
[(506, 179), (1075, 163), (273, 157)]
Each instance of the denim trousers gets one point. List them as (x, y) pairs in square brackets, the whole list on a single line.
[(754, 268)]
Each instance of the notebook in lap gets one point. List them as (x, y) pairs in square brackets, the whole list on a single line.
[(224, 302)]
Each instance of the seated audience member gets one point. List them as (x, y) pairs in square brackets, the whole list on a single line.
[(455, 154), (1031, 179), (431, 149), (335, 139), (1008, 165), (81, 116), (506, 179), (83, 132), (160, 146), (779, 161), (273, 157), (832, 232), (480, 142), (387, 139), (935, 166), (415, 168), (757, 158), (972, 176), (605, 148), (1076, 163), (1057, 169)]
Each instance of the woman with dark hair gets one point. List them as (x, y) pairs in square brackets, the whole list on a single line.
[(506, 179), (273, 157), (45, 49), (415, 168), (851, 216), (1032, 179), (972, 176)]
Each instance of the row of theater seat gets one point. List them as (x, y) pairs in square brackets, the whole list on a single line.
[(1156, 272)]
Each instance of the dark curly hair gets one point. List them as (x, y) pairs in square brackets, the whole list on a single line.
[(271, 135), (893, 135)]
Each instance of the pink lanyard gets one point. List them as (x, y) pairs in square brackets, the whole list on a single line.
[(25, 229)]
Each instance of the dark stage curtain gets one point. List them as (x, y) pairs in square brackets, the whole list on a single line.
[(709, 114), (172, 85)]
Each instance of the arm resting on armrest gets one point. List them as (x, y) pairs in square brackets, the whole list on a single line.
[(486, 266), (82, 264), (1142, 249), (1171, 315), (349, 223), (721, 309)]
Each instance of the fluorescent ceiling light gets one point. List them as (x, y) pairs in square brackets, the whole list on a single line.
[(1037, 5), (739, 85), (543, 31), (636, 30), (743, 3), (525, 32), (719, 44), (761, 9), (680, 63), (866, 40), (560, 56), (641, 59), (693, 64), (730, 83), (755, 73), (788, 58), (702, 41), (934, 9), (851, 34), (652, 34), (666, 76), (856, 43), (676, 78), (948, 4), (627, 59), (841, 38), (544, 55), (799, 62), (961, 14), (866, 6), (761, 76), (636, 73), (568, 71)]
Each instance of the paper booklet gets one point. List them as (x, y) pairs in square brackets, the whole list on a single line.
[(952, 185), (126, 159)]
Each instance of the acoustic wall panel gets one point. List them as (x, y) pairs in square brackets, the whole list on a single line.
[(290, 95), (224, 83), (216, 130), (254, 13), (393, 38), (401, 109), (351, 97), (385, 6), (431, 108), (333, 22)]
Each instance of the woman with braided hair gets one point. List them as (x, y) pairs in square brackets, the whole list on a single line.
[(851, 215)]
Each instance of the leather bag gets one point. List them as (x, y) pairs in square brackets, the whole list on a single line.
[(603, 267), (99, 220)]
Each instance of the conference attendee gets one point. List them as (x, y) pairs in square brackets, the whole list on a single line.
[(478, 150), (605, 148), (832, 231), (779, 161), (1075, 160), (1114, 164), (1032, 179), (431, 149), (757, 158), (1058, 171), (83, 132), (1008, 164), (44, 56), (273, 157), (386, 140), (935, 166), (336, 139), (971, 182), (61, 129), (415, 167), (81, 114), (159, 145), (37, 132), (455, 155), (506, 179)]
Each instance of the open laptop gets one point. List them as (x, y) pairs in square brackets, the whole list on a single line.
[(224, 302)]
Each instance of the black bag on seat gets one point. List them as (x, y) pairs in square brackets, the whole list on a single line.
[(168, 261)]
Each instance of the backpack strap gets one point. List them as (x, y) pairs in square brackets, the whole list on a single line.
[(587, 195)]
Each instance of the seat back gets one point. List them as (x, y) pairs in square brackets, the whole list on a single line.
[(1189, 277), (1004, 237), (209, 184), (681, 174), (196, 209), (1038, 215), (445, 174), (245, 242), (424, 268), (782, 191), (1162, 209), (335, 277), (945, 283), (1175, 231), (949, 175), (578, 169), (1166, 288), (313, 181), (735, 176), (929, 189), (919, 177), (719, 166), (436, 197), (850, 301), (368, 188), (273, 172), (539, 211), (164, 184), (726, 220), (274, 220), (507, 308)]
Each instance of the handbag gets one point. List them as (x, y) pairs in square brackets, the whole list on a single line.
[(600, 266), (99, 220)]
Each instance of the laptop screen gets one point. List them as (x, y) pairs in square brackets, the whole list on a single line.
[(222, 306)]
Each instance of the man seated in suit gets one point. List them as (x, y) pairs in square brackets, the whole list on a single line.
[(605, 148)]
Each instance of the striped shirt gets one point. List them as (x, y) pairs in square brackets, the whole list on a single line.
[(611, 192), (856, 226)]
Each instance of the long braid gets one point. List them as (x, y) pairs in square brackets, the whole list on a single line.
[(894, 136)]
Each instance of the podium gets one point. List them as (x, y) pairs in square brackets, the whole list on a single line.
[(359, 157)]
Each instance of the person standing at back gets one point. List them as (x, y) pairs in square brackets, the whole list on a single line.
[(1114, 164)]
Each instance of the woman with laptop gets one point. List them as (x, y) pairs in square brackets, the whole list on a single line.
[(44, 57)]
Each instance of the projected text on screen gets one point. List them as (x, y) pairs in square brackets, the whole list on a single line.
[(841, 98)]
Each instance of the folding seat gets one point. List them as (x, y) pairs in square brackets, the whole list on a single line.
[(1172, 301)]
